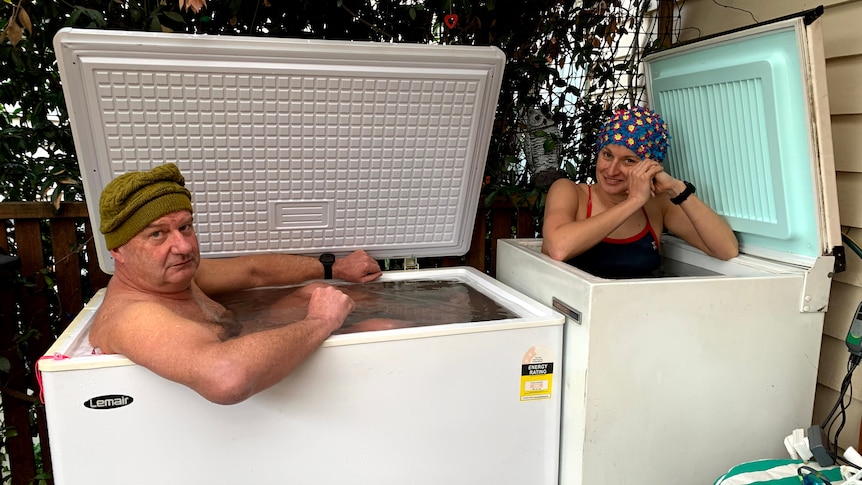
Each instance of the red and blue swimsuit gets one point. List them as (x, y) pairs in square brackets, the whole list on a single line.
[(632, 257)]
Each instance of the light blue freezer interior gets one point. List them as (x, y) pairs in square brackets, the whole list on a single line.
[(737, 114)]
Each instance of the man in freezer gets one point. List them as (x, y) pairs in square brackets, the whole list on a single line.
[(612, 228), (158, 309)]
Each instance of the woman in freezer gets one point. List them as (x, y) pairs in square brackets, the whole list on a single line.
[(612, 228)]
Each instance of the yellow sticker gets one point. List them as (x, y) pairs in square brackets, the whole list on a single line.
[(537, 374)]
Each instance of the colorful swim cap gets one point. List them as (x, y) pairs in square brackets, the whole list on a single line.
[(638, 129)]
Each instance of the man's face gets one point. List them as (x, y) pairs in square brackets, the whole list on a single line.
[(163, 257)]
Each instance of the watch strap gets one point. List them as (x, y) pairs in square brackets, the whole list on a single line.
[(327, 259), (680, 198)]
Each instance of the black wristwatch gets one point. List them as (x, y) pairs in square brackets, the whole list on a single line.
[(327, 259), (679, 199)]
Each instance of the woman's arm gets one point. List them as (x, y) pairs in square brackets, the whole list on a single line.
[(563, 235), (695, 222)]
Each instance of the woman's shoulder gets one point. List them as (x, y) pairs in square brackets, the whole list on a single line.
[(568, 185), (566, 197)]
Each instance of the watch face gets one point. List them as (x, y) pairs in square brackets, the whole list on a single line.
[(327, 258)]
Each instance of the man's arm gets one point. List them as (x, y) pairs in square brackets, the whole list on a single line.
[(218, 276), (224, 372)]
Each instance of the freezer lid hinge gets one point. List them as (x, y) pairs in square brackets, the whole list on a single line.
[(411, 263), (840, 260), (816, 285)]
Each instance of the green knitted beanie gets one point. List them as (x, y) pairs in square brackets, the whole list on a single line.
[(133, 200)]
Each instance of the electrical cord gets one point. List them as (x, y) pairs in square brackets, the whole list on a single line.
[(846, 462), (850, 242), (853, 345), (808, 475), (840, 404)]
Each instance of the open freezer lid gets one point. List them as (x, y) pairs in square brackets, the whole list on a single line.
[(302, 146), (749, 120)]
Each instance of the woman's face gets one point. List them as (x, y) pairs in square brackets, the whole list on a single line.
[(613, 166)]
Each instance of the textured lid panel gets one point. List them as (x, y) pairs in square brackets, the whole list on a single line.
[(290, 145)]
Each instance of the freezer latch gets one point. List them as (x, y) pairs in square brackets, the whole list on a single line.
[(840, 261), (816, 285)]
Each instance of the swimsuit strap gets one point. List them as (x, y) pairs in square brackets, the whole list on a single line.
[(651, 230)]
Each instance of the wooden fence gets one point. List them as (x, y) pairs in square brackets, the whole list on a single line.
[(39, 297)]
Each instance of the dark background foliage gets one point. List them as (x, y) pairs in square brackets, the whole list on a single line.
[(542, 39)]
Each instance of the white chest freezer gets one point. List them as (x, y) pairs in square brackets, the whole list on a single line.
[(675, 379), (308, 147)]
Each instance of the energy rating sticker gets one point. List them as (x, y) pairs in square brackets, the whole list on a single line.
[(537, 374)]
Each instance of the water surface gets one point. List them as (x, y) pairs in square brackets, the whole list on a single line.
[(379, 305)]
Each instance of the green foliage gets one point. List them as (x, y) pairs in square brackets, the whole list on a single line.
[(35, 155), (563, 58)]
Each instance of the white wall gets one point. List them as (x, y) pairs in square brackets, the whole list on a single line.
[(842, 38)]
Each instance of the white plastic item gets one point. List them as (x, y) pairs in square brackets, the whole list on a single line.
[(797, 445), (791, 449), (852, 476), (853, 456)]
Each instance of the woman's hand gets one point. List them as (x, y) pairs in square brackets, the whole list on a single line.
[(663, 182), (642, 180)]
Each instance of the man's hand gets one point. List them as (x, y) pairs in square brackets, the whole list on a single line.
[(329, 305), (357, 267)]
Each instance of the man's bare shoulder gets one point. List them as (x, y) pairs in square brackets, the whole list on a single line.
[(121, 312), (127, 321)]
